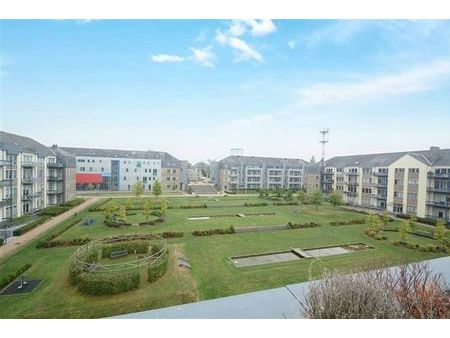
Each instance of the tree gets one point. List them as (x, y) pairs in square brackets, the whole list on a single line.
[(335, 199), (385, 217), (163, 208), (412, 222), (316, 198), (439, 232), (403, 230), (375, 223), (302, 198), (148, 206), (289, 194), (138, 188), (129, 205), (157, 189), (174, 187), (122, 213)]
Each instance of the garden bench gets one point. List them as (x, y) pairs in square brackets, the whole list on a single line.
[(119, 253)]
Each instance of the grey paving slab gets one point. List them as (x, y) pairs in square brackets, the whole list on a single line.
[(265, 259), (337, 250)]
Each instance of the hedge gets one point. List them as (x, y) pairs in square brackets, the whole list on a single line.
[(210, 232), (74, 202), (262, 204), (8, 279), (1, 241), (99, 206), (75, 271), (31, 225), (115, 224), (171, 234), (423, 248), (286, 203), (68, 242), (351, 222), (202, 206), (420, 219), (302, 225), (45, 243), (102, 283), (158, 268), (154, 222), (139, 247), (54, 210)]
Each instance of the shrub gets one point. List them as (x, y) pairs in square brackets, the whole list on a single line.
[(158, 268), (302, 225), (154, 222), (99, 206), (10, 278), (108, 283), (286, 203), (31, 225), (74, 271), (45, 243), (59, 243), (210, 232), (110, 222), (138, 247), (351, 222), (261, 204), (171, 234)]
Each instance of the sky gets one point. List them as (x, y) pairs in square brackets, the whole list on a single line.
[(197, 88)]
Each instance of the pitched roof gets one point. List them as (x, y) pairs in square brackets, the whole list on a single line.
[(257, 160), (434, 156), (15, 144)]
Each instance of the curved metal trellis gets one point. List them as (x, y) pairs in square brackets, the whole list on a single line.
[(81, 254)]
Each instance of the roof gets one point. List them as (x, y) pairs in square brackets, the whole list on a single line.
[(434, 156), (167, 159), (64, 157), (257, 160), (15, 144), (278, 303)]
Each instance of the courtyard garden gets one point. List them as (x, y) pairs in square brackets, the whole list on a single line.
[(192, 241)]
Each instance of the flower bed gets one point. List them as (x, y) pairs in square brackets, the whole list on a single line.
[(210, 232), (351, 222)]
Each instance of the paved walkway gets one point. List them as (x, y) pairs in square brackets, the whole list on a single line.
[(16, 243)]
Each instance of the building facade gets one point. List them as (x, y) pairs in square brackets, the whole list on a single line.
[(253, 173), (32, 176), (119, 170), (416, 182)]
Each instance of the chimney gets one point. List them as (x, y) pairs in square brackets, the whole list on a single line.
[(434, 151)]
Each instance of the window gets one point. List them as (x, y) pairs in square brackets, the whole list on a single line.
[(399, 170), (135, 170), (412, 182), (413, 170), (126, 169), (103, 169), (155, 172), (90, 168), (89, 161), (412, 196), (82, 169), (124, 178)]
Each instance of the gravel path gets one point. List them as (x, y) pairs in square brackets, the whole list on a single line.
[(16, 243)]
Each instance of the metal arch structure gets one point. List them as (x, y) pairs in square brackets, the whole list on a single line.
[(80, 255)]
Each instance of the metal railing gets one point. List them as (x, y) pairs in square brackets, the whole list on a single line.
[(439, 204), (439, 190)]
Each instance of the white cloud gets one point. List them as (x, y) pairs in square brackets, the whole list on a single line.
[(169, 58), (203, 56), (237, 28), (244, 51), (424, 78), (292, 44), (261, 27), (335, 33)]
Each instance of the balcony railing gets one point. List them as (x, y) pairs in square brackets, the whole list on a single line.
[(6, 162), (380, 174), (351, 183), (6, 201), (54, 165), (28, 180), (379, 197), (439, 190), (351, 193), (27, 197), (7, 182), (436, 175), (348, 173), (29, 164), (439, 204), (54, 178)]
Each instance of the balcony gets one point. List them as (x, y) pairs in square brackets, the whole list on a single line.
[(435, 175), (380, 184), (54, 178), (347, 173), (6, 182), (5, 201), (352, 183), (379, 197), (439, 190), (29, 164), (28, 180), (27, 197), (350, 193), (54, 165), (6, 162), (438, 204), (380, 174)]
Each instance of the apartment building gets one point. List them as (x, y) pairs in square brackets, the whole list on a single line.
[(415, 182), (253, 173), (32, 176), (313, 177), (118, 170)]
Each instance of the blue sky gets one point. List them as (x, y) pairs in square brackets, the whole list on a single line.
[(197, 88)]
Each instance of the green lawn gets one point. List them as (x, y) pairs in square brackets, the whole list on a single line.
[(213, 274)]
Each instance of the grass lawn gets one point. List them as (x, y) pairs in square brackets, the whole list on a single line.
[(213, 274)]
